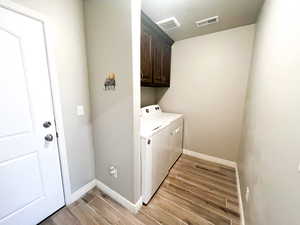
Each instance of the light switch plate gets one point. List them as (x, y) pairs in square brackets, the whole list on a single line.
[(247, 194), (80, 110)]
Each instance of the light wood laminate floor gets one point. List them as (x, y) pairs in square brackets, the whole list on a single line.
[(196, 192)]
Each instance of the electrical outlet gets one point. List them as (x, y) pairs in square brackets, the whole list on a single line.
[(247, 195), (113, 171), (80, 110)]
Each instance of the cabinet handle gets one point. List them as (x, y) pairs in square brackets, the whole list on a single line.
[(142, 74)]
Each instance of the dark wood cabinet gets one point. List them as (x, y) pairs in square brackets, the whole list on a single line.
[(146, 55), (155, 55), (162, 64), (157, 61)]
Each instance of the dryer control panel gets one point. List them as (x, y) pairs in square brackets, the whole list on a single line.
[(150, 110)]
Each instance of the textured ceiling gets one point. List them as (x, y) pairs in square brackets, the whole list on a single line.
[(232, 13)]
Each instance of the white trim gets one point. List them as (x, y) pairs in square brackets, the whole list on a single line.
[(136, 84), (57, 106), (210, 158), (83, 190), (8, 4), (111, 193), (119, 198), (242, 215), (138, 204), (54, 89)]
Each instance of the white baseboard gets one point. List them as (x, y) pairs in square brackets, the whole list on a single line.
[(119, 198), (226, 163), (136, 207), (210, 158), (111, 193), (240, 196), (82, 191)]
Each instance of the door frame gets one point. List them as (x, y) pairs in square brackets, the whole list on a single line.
[(55, 91)]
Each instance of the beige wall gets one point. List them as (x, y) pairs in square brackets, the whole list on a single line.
[(66, 21), (208, 85), (270, 152), (148, 96), (115, 113)]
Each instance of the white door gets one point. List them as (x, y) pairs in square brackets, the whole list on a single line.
[(30, 176)]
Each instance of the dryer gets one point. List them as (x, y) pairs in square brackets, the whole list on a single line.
[(161, 146)]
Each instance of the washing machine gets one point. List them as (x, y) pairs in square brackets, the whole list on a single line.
[(161, 146)]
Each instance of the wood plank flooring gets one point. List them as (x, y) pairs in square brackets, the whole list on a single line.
[(196, 192)]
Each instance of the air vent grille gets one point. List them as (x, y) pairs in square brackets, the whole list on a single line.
[(208, 21), (168, 24)]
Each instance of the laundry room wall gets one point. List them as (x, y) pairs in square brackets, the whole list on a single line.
[(148, 96), (115, 113), (270, 156), (66, 21), (209, 77)]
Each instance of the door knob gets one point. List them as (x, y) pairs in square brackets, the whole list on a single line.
[(47, 124), (49, 137)]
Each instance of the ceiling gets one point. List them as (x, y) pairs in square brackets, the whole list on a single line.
[(232, 13)]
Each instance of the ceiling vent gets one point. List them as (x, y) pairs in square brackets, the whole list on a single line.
[(208, 21), (168, 24)]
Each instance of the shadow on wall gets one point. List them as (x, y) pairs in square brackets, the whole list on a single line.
[(160, 94), (149, 95)]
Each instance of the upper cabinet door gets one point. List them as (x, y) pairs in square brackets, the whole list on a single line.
[(155, 54), (166, 64), (158, 54), (146, 56), (161, 63)]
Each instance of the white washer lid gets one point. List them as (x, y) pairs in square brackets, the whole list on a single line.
[(166, 117), (150, 127)]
